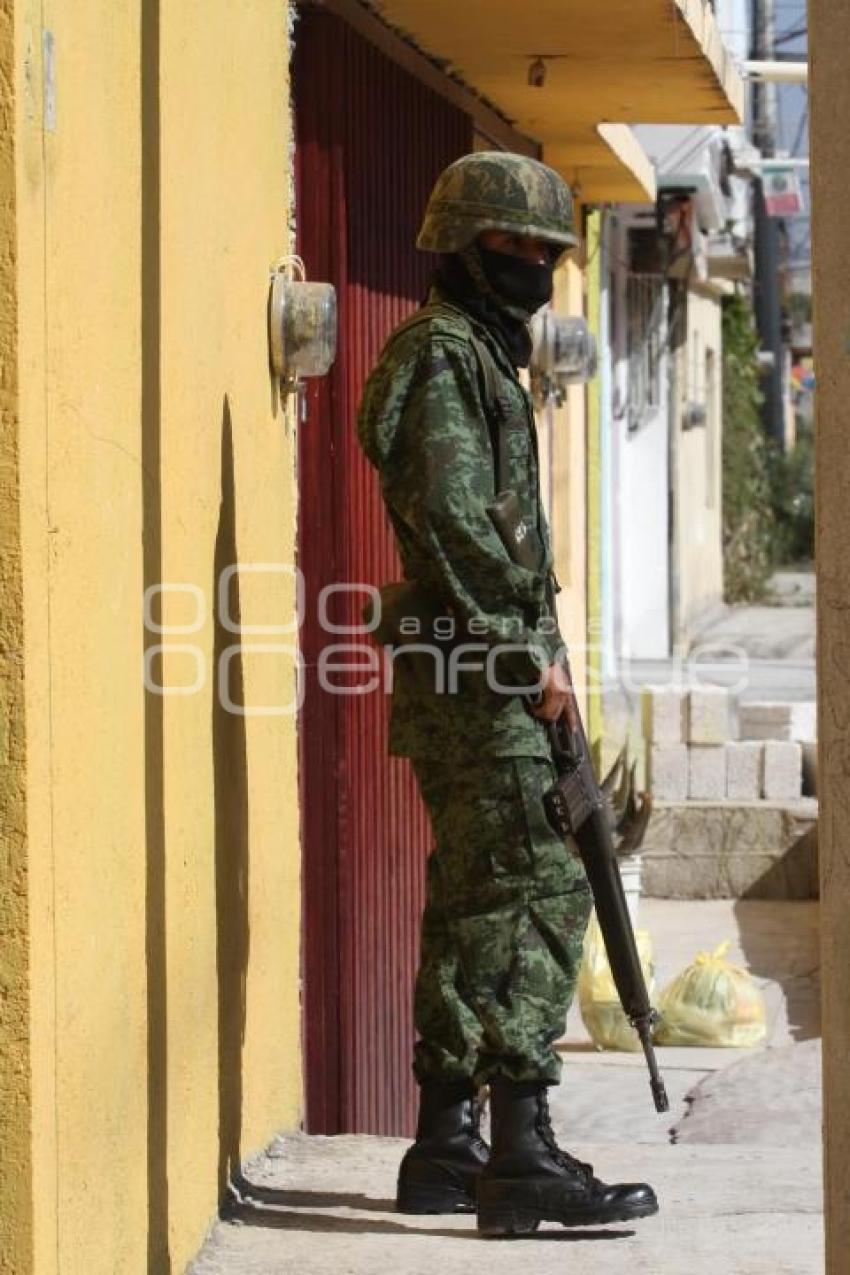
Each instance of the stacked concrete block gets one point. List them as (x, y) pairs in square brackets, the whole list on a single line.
[(709, 727), (744, 768), (765, 721), (709, 716), (664, 714), (694, 754), (668, 772), (783, 770), (779, 721), (707, 772)]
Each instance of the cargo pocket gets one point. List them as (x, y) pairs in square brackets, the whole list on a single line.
[(510, 851)]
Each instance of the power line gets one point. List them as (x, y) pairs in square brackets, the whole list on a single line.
[(798, 27), (680, 155), (800, 129), (787, 36)]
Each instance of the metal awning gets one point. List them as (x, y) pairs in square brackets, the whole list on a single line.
[(606, 65)]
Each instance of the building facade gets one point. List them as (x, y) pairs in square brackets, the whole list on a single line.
[(171, 995), (150, 1020)]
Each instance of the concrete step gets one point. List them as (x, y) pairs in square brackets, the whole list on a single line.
[(724, 849)]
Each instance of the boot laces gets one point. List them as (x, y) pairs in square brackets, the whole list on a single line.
[(474, 1128), (547, 1133)]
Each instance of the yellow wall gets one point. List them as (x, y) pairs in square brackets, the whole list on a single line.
[(699, 463), (568, 511), (15, 1087), (162, 835)]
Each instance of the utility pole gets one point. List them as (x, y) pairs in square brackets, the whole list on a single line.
[(768, 300)]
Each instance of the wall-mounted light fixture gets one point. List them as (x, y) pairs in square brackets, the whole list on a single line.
[(539, 65), (537, 73)]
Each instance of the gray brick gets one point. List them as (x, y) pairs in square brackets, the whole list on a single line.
[(668, 772), (709, 716), (664, 713), (783, 770), (765, 720), (744, 763), (707, 772)]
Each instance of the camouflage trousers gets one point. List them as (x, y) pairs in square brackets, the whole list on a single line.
[(506, 909)]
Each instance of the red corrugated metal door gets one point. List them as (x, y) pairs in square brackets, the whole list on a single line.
[(370, 140)]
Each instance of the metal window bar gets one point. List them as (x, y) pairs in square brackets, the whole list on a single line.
[(644, 315)]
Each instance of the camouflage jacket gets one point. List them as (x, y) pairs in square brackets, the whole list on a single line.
[(423, 423)]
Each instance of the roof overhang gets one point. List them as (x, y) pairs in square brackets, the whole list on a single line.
[(604, 163), (607, 65)]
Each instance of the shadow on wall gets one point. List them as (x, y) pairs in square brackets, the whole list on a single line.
[(780, 941), (228, 729), (230, 775), (230, 772), (795, 875), (158, 1253)]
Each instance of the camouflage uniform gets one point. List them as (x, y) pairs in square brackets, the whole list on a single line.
[(507, 900)]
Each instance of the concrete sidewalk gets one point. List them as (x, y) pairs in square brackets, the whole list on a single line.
[(767, 652), (739, 1188), (781, 628), (323, 1206), (605, 1096)]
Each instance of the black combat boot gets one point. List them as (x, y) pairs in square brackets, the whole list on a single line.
[(439, 1172), (530, 1180)]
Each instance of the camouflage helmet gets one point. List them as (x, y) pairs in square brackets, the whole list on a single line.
[(494, 190)]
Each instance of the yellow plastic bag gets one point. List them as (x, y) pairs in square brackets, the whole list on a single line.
[(712, 1002), (598, 1001)]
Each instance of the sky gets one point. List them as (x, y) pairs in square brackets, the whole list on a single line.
[(790, 41), (792, 107)]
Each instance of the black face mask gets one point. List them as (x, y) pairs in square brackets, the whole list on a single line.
[(519, 282), (454, 280)]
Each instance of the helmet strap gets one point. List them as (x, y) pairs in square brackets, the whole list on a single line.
[(471, 258)]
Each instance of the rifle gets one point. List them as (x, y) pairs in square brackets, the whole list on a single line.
[(576, 807)]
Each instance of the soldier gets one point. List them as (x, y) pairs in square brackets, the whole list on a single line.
[(447, 423)]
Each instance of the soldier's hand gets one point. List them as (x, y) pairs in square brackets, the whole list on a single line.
[(558, 698)]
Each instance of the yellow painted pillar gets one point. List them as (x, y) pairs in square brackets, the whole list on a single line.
[(15, 1088), (594, 496), (829, 36), (568, 520)]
